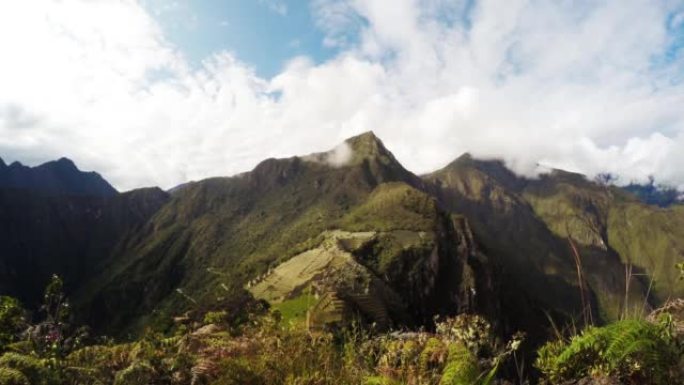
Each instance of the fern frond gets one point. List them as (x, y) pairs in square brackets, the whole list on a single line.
[(461, 368), (9, 376)]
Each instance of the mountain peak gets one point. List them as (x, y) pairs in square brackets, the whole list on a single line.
[(493, 168), (64, 164), (368, 151), (2, 163), (367, 136), (466, 157), (354, 151), (368, 145), (57, 177)]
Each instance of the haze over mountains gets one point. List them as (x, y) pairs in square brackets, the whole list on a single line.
[(397, 247)]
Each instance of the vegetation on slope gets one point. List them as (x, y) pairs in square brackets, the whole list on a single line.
[(630, 351), (534, 267), (472, 237), (248, 344), (73, 236), (618, 234), (605, 251), (224, 232), (255, 349)]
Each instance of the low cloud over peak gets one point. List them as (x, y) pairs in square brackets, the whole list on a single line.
[(587, 86)]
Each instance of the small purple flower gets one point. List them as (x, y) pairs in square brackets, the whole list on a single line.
[(53, 336)]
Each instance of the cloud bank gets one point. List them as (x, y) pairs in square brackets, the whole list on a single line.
[(589, 86)]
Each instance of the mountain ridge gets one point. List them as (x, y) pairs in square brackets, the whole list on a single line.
[(241, 226), (508, 238), (58, 177)]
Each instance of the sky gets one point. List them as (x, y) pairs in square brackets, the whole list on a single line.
[(161, 92)]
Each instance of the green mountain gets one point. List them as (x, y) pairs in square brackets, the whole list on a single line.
[(349, 233), (538, 231), (218, 234), (73, 236), (615, 225)]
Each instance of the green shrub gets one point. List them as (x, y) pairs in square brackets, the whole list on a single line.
[(216, 317), (376, 380), (12, 320), (463, 350), (631, 350), (36, 370), (9, 376), (139, 372), (462, 367)]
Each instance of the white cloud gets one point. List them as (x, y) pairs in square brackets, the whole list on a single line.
[(565, 84), (339, 156)]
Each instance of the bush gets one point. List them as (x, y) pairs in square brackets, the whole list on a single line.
[(216, 317), (9, 376), (255, 348), (462, 367), (12, 321), (138, 373), (632, 351), (35, 370)]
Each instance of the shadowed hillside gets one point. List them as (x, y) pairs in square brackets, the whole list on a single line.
[(217, 234), (72, 236), (471, 236), (537, 231), (60, 177)]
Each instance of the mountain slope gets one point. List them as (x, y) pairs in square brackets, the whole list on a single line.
[(69, 235), (217, 234), (60, 177), (615, 225), (536, 230), (357, 229), (535, 270)]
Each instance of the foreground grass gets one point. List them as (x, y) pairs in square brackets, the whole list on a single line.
[(250, 344), (263, 351)]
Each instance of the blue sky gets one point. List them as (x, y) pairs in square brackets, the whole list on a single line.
[(160, 92), (263, 33), (266, 34)]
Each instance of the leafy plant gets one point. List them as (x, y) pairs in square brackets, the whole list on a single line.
[(12, 321), (18, 367), (634, 351), (680, 267), (462, 367), (54, 337), (42, 359)]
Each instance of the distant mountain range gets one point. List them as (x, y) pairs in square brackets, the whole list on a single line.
[(358, 229), (60, 177), (653, 194)]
